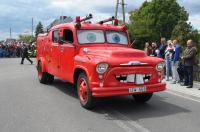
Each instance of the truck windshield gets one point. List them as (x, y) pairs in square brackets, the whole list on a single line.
[(97, 36), (90, 36), (114, 37)]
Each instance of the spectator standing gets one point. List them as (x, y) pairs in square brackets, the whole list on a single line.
[(147, 49), (180, 71), (154, 49), (175, 61), (168, 57), (189, 61), (25, 54), (162, 48), (1, 51)]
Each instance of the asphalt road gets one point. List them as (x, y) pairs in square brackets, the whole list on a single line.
[(28, 106)]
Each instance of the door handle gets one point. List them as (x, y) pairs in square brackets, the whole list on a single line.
[(51, 47)]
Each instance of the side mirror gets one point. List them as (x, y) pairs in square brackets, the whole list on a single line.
[(61, 40)]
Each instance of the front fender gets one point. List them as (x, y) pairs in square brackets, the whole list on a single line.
[(86, 64)]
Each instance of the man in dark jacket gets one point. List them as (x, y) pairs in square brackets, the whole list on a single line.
[(189, 61), (162, 48), (25, 54)]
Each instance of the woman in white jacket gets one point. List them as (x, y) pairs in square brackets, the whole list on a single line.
[(168, 56)]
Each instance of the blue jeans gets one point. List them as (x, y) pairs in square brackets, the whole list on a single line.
[(168, 68)]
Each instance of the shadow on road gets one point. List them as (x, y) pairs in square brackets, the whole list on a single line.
[(65, 87), (158, 106)]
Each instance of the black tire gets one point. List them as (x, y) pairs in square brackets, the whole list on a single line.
[(89, 103), (44, 77), (142, 98), (50, 78)]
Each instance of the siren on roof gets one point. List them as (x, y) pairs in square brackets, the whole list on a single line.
[(79, 20)]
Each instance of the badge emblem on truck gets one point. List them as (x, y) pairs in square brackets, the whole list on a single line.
[(85, 50), (134, 63)]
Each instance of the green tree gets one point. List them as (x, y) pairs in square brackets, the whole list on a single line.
[(39, 29), (184, 31), (198, 43), (26, 38), (156, 19)]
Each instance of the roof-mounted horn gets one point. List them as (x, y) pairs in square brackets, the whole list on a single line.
[(107, 20)]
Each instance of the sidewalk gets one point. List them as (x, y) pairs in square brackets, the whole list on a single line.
[(183, 90)]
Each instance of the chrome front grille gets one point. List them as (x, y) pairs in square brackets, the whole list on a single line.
[(134, 78)]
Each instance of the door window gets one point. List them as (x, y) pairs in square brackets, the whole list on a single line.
[(68, 36), (55, 36)]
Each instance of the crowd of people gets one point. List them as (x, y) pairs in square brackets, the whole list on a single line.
[(178, 64), (14, 49)]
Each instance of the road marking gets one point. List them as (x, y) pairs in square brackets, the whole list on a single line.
[(183, 96), (123, 126), (123, 121), (118, 121)]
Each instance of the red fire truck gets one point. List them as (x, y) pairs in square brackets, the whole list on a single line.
[(98, 59)]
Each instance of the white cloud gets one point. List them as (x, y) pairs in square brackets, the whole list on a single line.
[(17, 14), (195, 20), (4, 35)]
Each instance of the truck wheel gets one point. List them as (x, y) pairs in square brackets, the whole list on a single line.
[(84, 93), (50, 78), (44, 77), (142, 98)]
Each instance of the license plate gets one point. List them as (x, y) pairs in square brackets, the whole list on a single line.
[(137, 90)]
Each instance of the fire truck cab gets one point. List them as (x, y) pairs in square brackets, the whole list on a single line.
[(99, 60)]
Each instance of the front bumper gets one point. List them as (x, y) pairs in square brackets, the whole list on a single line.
[(117, 91)]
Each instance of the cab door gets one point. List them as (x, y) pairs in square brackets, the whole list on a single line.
[(67, 53), (55, 51)]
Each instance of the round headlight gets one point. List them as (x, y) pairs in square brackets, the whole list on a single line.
[(160, 66), (101, 68)]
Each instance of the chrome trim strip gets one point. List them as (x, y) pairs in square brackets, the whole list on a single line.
[(129, 64)]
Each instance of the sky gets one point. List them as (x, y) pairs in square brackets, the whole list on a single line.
[(18, 14)]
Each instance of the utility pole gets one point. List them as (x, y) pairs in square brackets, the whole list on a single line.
[(116, 11), (10, 33), (32, 28), (123, 9)]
